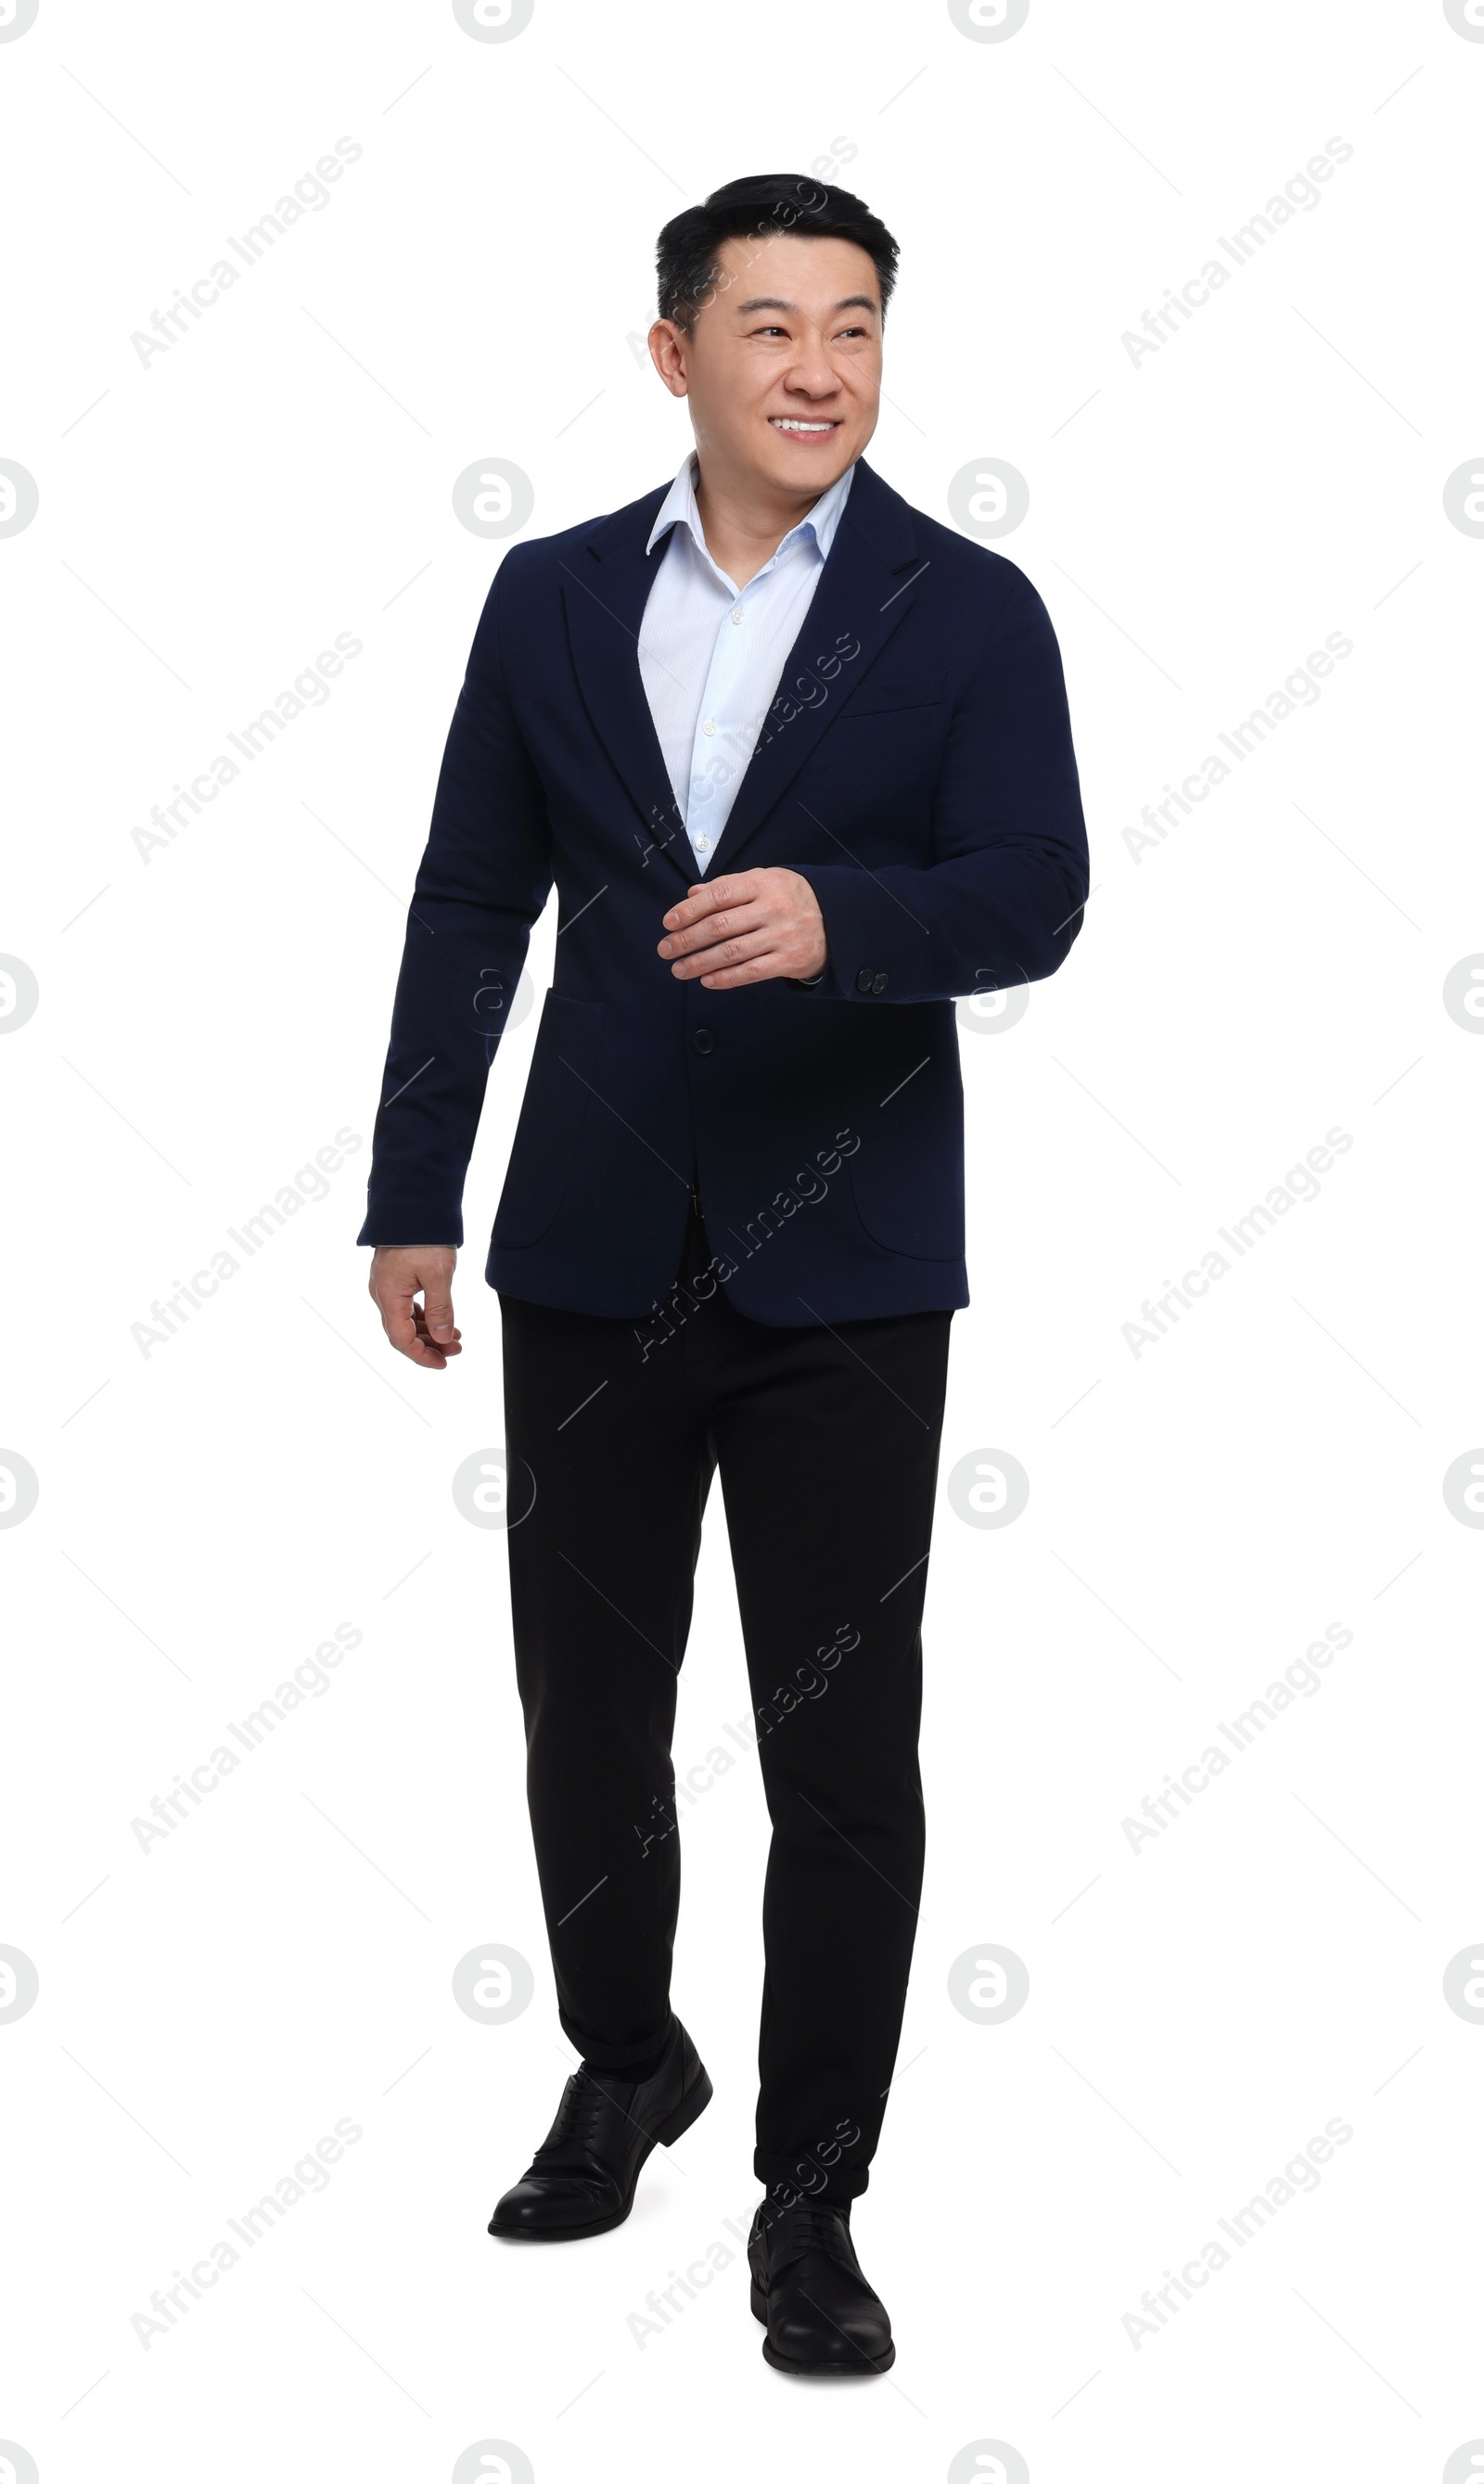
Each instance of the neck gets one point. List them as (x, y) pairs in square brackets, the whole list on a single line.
[(744, 520)]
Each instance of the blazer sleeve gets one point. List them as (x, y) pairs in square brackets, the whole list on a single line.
[(485, 875), (1002, 900)]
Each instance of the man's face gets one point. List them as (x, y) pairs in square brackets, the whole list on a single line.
[(783, 371)]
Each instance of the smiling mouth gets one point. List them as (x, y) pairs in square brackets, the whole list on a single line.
[(799, 429)]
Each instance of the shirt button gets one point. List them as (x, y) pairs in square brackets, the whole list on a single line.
[(703, 844), (710, 725), (737, 616), (703, 1040)]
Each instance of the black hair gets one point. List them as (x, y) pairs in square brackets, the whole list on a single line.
[(761, 204)]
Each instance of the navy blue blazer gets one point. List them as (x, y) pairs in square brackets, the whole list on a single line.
[(917, 769)]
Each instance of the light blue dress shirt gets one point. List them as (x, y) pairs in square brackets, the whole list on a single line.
[(711, 652)]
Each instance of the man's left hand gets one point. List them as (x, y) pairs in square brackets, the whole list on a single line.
[(747, 927)]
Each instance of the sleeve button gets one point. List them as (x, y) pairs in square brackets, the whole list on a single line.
[(878, 982), (864, 979)]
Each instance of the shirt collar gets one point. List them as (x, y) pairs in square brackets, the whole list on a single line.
[(678, 507)]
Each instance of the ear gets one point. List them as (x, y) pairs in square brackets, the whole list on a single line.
[(667, 352)]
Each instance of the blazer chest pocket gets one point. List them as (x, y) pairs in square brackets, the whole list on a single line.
[(891, 698), (548, 1143)]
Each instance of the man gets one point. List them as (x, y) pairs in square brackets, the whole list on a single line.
[(798, 761)]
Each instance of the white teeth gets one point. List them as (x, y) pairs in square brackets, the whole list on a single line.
[(782, 422)]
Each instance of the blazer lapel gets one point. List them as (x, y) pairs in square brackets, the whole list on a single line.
[(866, 587), (867, 583), (606, 588)]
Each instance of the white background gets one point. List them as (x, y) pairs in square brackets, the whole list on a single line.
[(1198, 1513)]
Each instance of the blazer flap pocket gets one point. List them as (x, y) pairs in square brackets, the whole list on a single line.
[(876, 698)]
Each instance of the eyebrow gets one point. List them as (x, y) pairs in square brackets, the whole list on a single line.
[(774, 301)]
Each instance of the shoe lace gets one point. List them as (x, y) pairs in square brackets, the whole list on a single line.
[(808, 2221), (585, 2102)]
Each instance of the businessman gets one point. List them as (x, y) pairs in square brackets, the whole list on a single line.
[(796, 760)]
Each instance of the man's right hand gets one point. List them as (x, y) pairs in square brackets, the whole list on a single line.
[(424, 1331)]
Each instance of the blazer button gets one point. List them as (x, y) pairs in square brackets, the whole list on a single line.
[(703, 1040), (878, 982), (864, 980)]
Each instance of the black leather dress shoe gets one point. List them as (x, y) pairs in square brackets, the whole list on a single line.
[(824, 2320), (581, 2178)]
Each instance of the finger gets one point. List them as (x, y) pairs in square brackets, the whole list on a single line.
[(421, 1317), (713, 928), (449, 1344), (396, 1317), (401, 1317), (702, 897), (690, 909), (725, 953), (425, 1354), (772, 963), (420, 1347), (437, 1309)]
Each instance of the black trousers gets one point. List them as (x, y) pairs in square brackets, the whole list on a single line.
[(828, 1445)]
